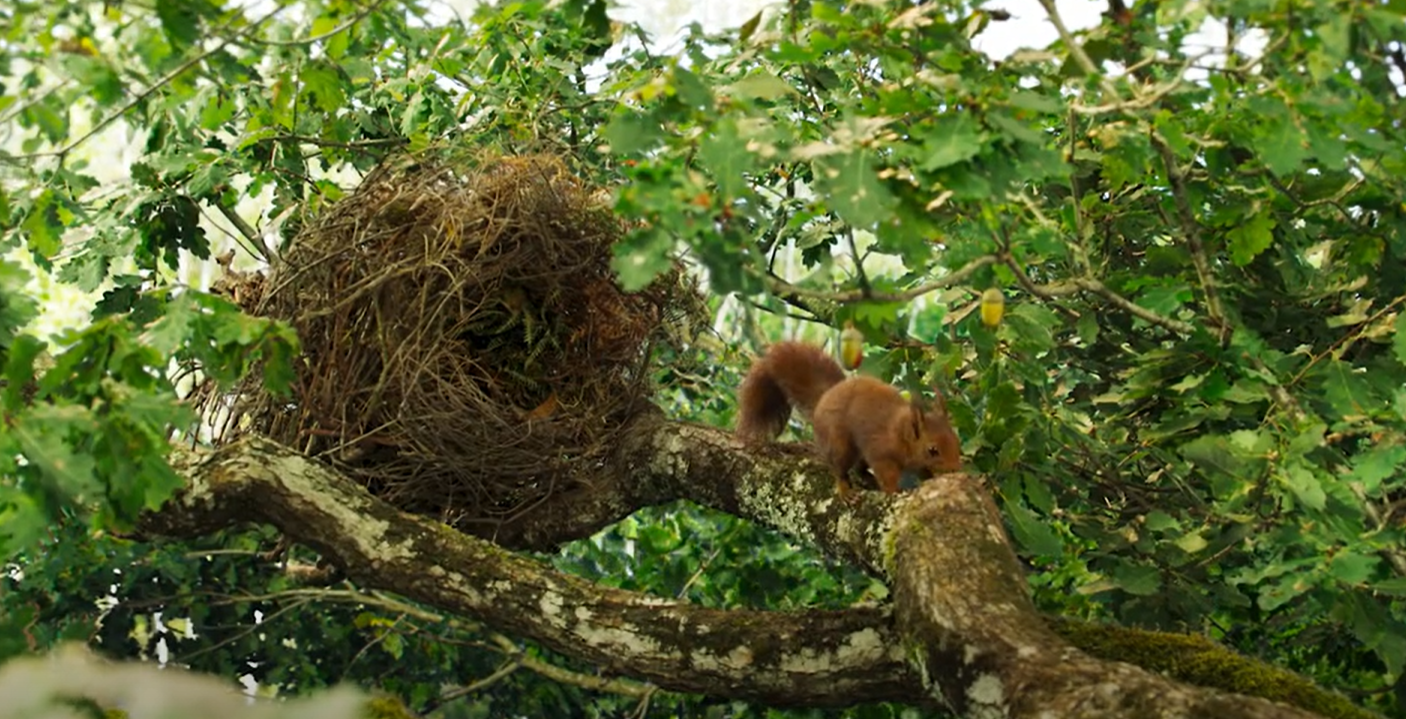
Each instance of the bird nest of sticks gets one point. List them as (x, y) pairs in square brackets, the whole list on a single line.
[(466, 349)]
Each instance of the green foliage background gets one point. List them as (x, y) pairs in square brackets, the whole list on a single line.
[(1193, 413)]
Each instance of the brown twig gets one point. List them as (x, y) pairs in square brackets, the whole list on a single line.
[(1347, 339), (354, 19), (246, 230), (1191, 231), (779, 286), (165, 80)]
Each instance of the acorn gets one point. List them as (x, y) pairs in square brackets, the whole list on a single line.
[(993, 306), (851, 346)]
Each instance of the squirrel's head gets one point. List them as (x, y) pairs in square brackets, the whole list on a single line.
[(937, 448)]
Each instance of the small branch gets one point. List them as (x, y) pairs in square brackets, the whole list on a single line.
[(813, 317), (246, 230), (858, 263), (165, 80), (354, 145), (1341, 344), (1047, 292), (1075, 190), (1076, 50), (779, 286), (354, 19), (1191, 231), (1142, 100), (508, 667), (1092, 285), (1089, 283), (34, 99), (557, 674), (1392, 556)]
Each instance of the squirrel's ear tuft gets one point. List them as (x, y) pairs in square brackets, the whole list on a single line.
[(918, 420), (938, 400)]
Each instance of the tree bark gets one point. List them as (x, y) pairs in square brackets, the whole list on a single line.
[(805, 658), (962, 634)]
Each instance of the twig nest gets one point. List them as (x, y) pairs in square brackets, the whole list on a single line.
[(466, 348)]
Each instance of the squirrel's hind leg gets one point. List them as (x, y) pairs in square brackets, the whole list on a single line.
[(887, 475), (843, 457)]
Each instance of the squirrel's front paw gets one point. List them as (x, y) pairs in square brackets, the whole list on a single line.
[(847, 496)]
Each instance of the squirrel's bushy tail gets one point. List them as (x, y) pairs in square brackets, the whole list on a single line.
[(789, 374)]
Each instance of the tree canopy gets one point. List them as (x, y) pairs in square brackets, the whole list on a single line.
[(1183, 438)]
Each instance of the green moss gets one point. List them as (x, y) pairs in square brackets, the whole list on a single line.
[(386, 707), (1199, 661)]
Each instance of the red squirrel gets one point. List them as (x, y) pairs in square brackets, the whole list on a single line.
[(859, 421)]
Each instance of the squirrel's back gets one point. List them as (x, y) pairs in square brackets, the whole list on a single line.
[(866, 419), (790, 374)]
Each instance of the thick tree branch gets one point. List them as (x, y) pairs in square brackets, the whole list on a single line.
[(813, 658), (973, 639), (962, 605)]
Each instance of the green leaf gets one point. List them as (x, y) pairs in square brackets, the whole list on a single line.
[(44, 432), (642, 257), (1031, 326), (218, 109), (1191, 543), (336, 44), (1159, 521), (1346, 390), (17, 306), (1251, 237), (1377, 464), (1015, 129), (19, 369), (727, 160), (851, 187), (1283, 591), (1039, 495), (629, 133), (759, 85), (949, 140), (1211, 452), (323, 82), (1165, 300), (1088, 328), (172, 331), (1034, 535), (1306, 441), (22, 521), (43, 227), (1352, 568), (656, 539), (1137, 579), (745, 31), (181, 21), (1305, 486)]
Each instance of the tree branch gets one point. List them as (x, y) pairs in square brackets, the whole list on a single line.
[(962, 604), (163, 81), (812, 658), (778, 286), (963, 633), (1089, 284), (1191, 230)]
